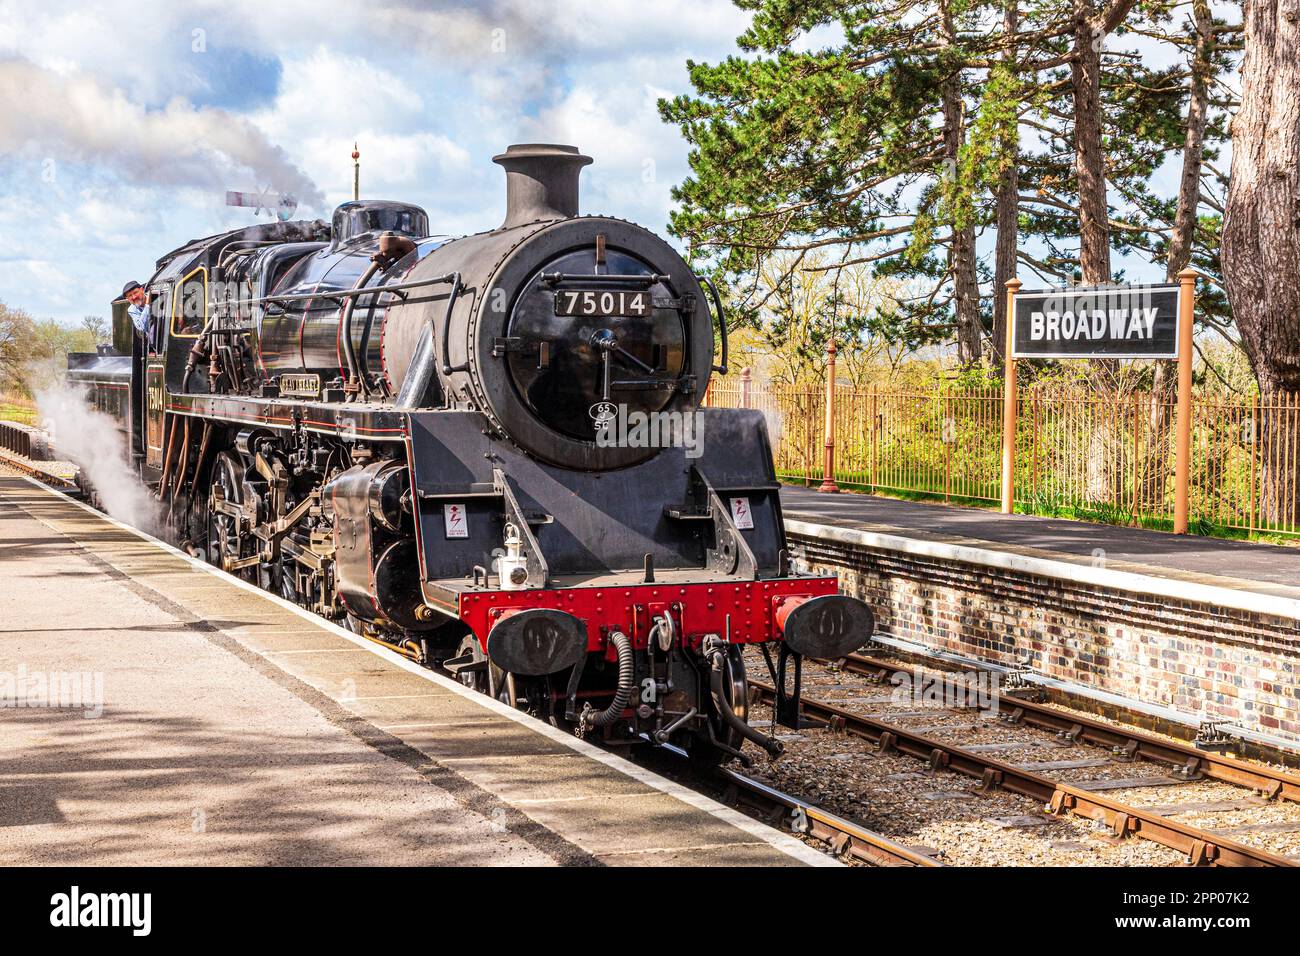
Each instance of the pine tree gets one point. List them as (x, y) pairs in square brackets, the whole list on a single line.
[(859, 146), (934, 121)]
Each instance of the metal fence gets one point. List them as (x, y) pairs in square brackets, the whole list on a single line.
[(1078, 453)]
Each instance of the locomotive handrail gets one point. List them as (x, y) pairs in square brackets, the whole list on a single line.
[(722, 324), (447, 367), (345, 332), (396, 288), (551, 278), (418, 373)]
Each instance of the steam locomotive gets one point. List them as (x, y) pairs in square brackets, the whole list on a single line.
[(487, 453)]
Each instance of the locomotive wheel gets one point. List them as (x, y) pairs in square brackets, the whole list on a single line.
[(469, 647), (552, 704), (269, 576), (703, 751), (278, 577), (502, 685), (506, 686), (289, 580), (539, 697), (535, 695), (224, 540)]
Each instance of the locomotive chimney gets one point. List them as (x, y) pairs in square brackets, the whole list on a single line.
[(541, 181)]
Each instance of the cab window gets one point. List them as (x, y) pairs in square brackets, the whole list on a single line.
[(190, 304)]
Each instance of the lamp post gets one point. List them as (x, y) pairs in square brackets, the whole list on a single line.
[(828, 465), (1009, 399), (1183, 437)]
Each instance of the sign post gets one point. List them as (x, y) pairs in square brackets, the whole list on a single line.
[(278, 206), (1183, 454), (1009, 399), (1103, 322)]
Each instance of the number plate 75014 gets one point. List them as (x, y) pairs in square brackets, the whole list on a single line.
[(602, 302)]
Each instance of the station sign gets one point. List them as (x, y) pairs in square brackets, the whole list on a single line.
[(1093, 322)]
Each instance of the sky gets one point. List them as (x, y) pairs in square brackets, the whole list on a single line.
[(123, 124)]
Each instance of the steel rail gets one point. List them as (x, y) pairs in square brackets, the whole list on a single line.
[(1273, 783), (844, 837), (47, 477), (1202, 847)]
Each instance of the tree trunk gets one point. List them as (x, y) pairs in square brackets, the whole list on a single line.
[(1007, 205), (1261, 229), (1189, 190), (1090, 28), (1181, 244), (965, 279), (1105, 477), (1089, 161)]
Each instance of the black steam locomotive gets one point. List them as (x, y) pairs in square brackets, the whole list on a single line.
[(487, 453)]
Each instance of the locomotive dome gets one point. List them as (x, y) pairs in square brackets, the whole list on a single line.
[(371, 217)]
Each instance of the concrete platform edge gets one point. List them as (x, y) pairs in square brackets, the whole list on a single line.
[(1132, 582)]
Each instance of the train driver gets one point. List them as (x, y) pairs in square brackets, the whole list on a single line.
[(139, 311)]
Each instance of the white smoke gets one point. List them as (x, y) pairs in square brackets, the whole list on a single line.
[(91, 440), (75, 117)]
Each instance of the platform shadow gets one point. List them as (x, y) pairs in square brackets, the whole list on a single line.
[(129, 788)]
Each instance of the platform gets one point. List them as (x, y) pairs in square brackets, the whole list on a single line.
[(205, 722), (1265, 569), (1184, 631)]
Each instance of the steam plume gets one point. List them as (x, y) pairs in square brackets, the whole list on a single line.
[(75, 117), (91, 439)]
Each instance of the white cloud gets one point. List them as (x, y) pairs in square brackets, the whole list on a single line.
[(74, 118), (114, 221), (613, 115), (430, 89), (30, 279), (327, 88)]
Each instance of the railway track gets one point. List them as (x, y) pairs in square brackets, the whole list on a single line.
[(1202, 847), (844, 837), (1271, 783), (12, 460)]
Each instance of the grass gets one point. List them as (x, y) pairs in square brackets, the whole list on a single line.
[(17, 410)]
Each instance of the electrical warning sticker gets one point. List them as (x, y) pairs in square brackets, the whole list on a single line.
[(455, 521), (740, 513)]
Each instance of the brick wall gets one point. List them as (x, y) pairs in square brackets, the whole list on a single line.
[(1207, 662)]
